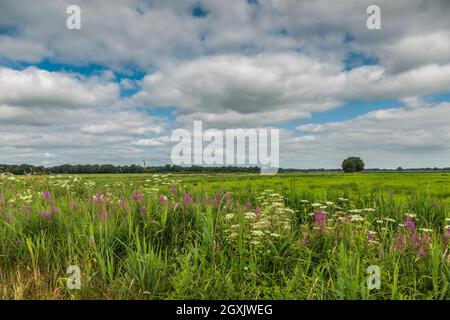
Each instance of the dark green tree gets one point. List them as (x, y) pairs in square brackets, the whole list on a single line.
[(353, 164)]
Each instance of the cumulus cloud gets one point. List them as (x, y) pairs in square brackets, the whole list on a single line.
[(276, 88), (241, 64), (411, 137)]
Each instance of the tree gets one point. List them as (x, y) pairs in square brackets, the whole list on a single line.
[(353, 164)]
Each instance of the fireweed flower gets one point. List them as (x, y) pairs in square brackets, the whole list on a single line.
[(26, 210), (137, 197), (46, 214), (187, 197), (104, 215), (46, 195), (421, 252), (97, 197), (162, 199)]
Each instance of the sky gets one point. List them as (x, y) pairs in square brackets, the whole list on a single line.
[(115, 90)]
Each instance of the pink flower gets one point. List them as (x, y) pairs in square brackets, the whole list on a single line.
[(143, 209), (410, 225), (162, 199), (46, 195), (46, 214), (258, 211), (104, 215), (9, 218), (137, 197), (187, 197), (421, 252), (74, 206), (174, 190), (97, 197), (320, 217), (26, 210)]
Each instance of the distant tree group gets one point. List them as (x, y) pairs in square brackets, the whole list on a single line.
[(111, 169), (353, 164)]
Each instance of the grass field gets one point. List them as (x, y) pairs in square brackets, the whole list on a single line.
[(226, 236)]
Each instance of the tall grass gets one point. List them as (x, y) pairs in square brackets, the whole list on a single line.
[(167, 240)]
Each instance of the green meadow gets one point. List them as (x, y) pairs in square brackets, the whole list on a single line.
[(226, 236)]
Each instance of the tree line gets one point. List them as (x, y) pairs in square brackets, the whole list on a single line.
[(112, 169)]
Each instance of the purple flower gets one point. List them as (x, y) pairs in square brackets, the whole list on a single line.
[(9, 218), (74, 206), (143, 209), (421, 252), (174, 190), (46, 214), (410, 225), (258, 211), (54, 210), (26, 210), (187, 197), (162, 199), (425, 239), (97, 197), (137, 197), (104, 215), (46, 195), (320, 217)]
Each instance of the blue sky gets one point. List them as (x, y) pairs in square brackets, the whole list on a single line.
[(114, 91)]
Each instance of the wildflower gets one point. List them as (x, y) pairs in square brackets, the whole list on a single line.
[(320, 216), (97, 197), (258, 211), (143, 209), (104, 215), (137, 197), (248, 206), (371, 236), (421, 252), (9, 218), (173, 190), (46, 214), (162, 199), (229, 216), (46, 195), (187, 197), (410, 225), (250, 215), (257, 233), (26, 210), (74, 206)]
